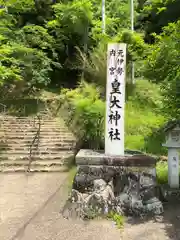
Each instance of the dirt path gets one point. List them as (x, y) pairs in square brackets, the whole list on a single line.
[(33, 213)]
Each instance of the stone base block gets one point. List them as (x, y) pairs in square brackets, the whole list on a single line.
[(99, 190), (135, 159), (123, 184)]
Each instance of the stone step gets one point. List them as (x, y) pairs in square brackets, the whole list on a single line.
[(42, 130), (32, 122), (45, 125), (33, 163), (15, 157), (44, 144), (32, 135), (8, 117), (34, 149), (42, 147), (25, 120), (38, 152), (38, 168), (26, 152), (28, 142), (21, 128), (32, 130), (45, 138), (33, 127), (46, 118)]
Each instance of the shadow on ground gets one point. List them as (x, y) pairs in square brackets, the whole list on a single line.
[(165, 227), (172, 220)]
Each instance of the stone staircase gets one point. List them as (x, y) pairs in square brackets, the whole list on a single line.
[(34, 144)]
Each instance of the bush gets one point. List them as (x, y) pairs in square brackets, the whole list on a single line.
[(143, 118), (86, 111), (141, 128), (162, 172), (85, 114)]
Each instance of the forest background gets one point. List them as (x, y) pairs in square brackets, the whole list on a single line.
[(57, 48)]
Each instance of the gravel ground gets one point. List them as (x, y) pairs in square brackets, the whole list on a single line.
[(30, 209)]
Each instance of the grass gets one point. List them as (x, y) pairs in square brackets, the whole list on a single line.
[(119, 220), (162, 172)]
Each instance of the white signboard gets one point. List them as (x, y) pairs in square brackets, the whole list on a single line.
[(115, 99)]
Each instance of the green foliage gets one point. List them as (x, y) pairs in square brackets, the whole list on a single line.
[(95, 65), (48, 43), (19, 62), (95, 62), (155, 14), (162, 65), (36, 37), (144, 118), (58, 28), (52, 31), (85, 114), (118, 219), (146, 94), (22, 50), (84, 111), (70, 23), (162, 172)]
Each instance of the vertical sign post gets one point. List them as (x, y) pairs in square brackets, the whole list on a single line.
[(115, 99)]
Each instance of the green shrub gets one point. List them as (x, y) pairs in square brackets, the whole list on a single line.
[(162, 172), (86, 111), (85, 114), (144, 118), (141, 128)]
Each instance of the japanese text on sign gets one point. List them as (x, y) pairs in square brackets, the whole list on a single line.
[(117, 69), (115, 98)]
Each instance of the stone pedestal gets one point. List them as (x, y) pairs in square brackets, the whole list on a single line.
[(132, 160), (123, 184)]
